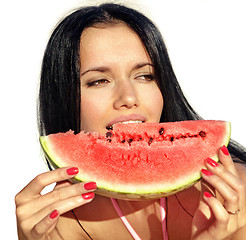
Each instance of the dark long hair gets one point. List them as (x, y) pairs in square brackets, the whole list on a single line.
[(59, 94)]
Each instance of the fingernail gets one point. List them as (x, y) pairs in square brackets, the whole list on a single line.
[(207, 195), (225, 150), (54, 214), (72, 171), (211, 162), (88, 196), (206, 172), (90, 186)]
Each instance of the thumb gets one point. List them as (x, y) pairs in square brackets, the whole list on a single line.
[(203, 216), (206, 187), (203, 207)]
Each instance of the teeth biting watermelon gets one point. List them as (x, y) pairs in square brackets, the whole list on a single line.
[(139, 161)]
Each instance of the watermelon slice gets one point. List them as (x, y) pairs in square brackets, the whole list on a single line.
[(139, 161)]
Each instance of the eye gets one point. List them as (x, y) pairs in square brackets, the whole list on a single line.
[(97, 82), (146, 77)]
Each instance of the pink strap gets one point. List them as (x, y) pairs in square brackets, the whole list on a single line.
[(124, 220), (163, 218), (129, 227)]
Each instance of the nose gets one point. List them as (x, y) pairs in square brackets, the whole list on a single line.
[(126, 95)]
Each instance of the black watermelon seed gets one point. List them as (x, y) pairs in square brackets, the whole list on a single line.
[(109, 140), (109, 127), (202, 134), (150, 140), (161, 131), (108, 135), (171, 139), (123, 141), (129, 140)]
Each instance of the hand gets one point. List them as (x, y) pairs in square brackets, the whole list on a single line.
[(37, 215), (220, 219)]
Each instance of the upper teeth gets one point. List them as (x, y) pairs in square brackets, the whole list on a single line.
[(131, 121)]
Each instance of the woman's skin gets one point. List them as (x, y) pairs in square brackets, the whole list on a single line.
[(117, 79), (118, 85)]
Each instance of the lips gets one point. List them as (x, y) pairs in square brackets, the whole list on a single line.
[(134, 118)]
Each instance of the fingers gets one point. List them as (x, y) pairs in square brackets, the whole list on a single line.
[(51, 219), (220, 213), (63, 192), (226, 160), (37, 214), (225, 181), (225, 212), (63, 184), (44, 225), (226, 186), (224, 178), (41, 181), (36, 224), (66, 205)]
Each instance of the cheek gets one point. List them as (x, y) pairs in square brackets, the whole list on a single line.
[(157, 106), (154, 103), (91, 111), (95, 108)]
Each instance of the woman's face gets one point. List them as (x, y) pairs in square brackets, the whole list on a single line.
[(117, 79)]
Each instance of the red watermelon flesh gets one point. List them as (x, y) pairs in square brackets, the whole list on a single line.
[(140, 161)]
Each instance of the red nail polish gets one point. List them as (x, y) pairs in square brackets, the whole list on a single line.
[(88, 196), (90, 186), (211, 162), (206, 172), (207, 195), (54, 214), (72, 171), (225, 150)]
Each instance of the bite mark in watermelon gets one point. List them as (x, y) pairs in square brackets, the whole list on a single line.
[(140, 161)]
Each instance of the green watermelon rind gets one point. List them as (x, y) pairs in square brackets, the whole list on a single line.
[(125, 191)]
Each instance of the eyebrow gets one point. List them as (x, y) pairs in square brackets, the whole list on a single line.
[(107, 69)]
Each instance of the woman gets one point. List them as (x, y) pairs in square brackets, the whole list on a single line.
[(105, 65)]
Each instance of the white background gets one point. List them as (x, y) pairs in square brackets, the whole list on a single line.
[(207, 45)]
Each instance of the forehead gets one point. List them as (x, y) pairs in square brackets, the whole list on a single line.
[(107, 42), (108, 31)]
